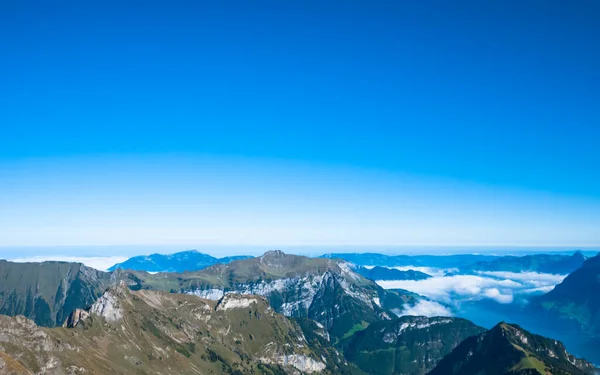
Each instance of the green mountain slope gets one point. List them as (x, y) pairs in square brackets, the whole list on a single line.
[(509, 349), (410, 345), (576, 301), (191, 260), (148, 332), (325, 290), (47, 292)]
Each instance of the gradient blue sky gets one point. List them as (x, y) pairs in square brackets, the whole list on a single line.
[(300, 123)]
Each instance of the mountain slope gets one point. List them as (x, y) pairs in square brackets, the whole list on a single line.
[(509, 349), (47, 292), (410, 345), (325, 290), (576, 300), (546, 263), (150, 332), (191, 260)]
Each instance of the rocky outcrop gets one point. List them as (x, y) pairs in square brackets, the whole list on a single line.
[(108, 307), (234, 301), (300, 362), (77, 316)]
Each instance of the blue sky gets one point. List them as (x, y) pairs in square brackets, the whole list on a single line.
[(300, 123)]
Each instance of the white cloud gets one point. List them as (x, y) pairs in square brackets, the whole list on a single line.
[(498, 296), (499, 286), (444, 288), (426, 308), (532, 278), (99, 263)]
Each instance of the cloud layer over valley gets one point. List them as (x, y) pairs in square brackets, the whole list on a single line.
[(503, 287)]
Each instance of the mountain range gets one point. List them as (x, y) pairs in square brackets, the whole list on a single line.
[(182, 261), (436, 261), (273, 314), (193, 260), (545, 263), (325, 290)]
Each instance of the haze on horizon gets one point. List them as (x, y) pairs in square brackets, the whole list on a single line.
[(278, 124)]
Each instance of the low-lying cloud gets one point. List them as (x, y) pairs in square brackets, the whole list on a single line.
[(426, 308), (502, 287)]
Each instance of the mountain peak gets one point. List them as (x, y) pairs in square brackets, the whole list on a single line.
[(274, 254), (508, 347)]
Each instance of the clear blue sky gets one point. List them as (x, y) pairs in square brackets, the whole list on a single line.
[(306, 122)]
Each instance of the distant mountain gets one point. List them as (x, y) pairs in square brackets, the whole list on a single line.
[(545, 263), (149, 332), (436, 261), (410, 345), (47, 292), (508, 349), (190, 260), (384, 273), (325, 290)]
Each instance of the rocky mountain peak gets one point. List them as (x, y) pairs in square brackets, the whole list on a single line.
[(274, 254), (507, 347)]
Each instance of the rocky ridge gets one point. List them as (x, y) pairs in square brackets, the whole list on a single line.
[(155, 332)]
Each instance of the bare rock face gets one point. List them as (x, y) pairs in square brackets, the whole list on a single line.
[(302, 363), (77, 316), (236, 301), (108, 306)]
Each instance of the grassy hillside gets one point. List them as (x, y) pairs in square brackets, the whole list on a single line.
[(148, 332)]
